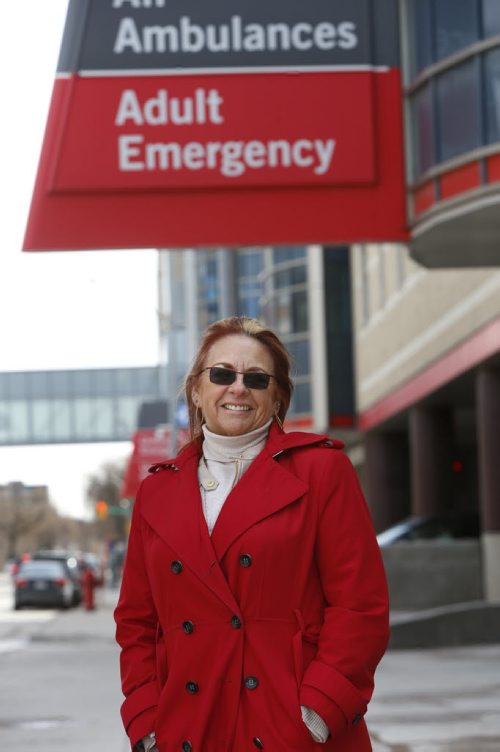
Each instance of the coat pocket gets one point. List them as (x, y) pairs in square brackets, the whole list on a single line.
[(304, 646), (161, 657)]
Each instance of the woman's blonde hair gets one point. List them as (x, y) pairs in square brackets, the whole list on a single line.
[(248, 327)]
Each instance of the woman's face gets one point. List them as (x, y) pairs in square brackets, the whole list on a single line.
[(234, 409)]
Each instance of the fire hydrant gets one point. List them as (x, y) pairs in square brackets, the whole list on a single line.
[(88, 588)]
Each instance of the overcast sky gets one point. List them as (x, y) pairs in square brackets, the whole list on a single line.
[(57, 310)]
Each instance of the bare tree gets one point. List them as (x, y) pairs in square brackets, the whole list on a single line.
[(105, 485)]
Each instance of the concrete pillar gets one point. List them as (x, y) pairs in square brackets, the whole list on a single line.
[(386, 478), (488, 422), (431, 457)]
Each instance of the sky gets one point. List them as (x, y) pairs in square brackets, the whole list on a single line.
[(63, 310)]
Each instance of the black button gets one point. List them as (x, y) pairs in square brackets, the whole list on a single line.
[(188, 627), (192, 687), (357, 718), (236, 622), (251, 682), (176, 566), (187, 747), (258, 742), (246, 560)]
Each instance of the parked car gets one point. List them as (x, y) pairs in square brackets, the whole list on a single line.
[(71, 561), (43, 583), (457, 525)]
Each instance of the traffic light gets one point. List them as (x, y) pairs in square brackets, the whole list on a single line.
[(101, 509)]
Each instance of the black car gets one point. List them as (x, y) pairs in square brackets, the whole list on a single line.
[(43, 583), (72, 562), (444, 527)]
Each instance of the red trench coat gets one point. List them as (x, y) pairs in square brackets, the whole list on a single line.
[(224, 636)]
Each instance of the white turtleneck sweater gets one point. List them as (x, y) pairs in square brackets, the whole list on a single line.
[(223, 462)]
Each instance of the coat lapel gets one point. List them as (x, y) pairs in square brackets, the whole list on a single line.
[(265, 488), (178, 519)]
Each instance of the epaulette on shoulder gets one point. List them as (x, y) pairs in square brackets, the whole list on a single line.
[(331, 443), (162, 466)]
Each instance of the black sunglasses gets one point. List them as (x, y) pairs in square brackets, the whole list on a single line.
[(225, 376)]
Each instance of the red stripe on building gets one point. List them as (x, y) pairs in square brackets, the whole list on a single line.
[(471, 353), (460, 180)]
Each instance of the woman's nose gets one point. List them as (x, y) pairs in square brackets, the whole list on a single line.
[(238, 387)]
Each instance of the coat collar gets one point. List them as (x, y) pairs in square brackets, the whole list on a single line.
[(266, 487)]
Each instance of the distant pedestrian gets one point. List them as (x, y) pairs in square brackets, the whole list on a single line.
[(253, 609), (88, 587)]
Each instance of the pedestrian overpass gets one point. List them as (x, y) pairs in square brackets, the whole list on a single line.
[(77, 406)]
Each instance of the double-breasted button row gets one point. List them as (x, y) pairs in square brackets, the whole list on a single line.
[(251, 682), (176, 566), (246, 560), (192, 687)]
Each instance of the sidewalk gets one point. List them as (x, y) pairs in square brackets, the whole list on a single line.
[(441, 700)]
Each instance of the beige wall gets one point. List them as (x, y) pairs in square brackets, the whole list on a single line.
[(406, 317)]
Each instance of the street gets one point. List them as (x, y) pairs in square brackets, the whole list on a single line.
[(60, 688)]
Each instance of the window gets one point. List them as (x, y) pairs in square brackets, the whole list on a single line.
[(299, 351), (491, 18), (423, 118), (459, 117), (492, 75), (301, 400), (422, 33), (288, 253), (457, 25)]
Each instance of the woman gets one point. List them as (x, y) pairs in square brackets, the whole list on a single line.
[(253, 609)]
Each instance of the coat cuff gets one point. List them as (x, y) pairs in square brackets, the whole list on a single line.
[(332, 696), (139, 711)]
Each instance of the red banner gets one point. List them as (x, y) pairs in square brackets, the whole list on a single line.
[(150, 446)]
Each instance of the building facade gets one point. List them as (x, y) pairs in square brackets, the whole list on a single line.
[(427, 316), (285, 288)]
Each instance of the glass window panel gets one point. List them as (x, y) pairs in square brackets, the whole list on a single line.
[(60, 383), (14, 421), (126, 418), (459, 117), (14, 385), (422, 31), (81, 383), (249, 264), (492, 76), (4, 420), (249, 306), (288, 253), (491, 17), (61, 419), (83, 418), (103, 382), (457, 25), (38, 383), (301, 400), (299, 351), (42, 419), (296, 275), (423, 122)]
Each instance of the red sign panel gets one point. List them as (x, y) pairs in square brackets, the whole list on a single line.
[(217, 131), (185, 124)]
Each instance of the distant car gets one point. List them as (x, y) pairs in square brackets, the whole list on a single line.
[(71, 561), (458, 525), (43, 583)]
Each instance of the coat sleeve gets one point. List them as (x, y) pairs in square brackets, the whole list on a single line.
[(136, 630), (338, 683)]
